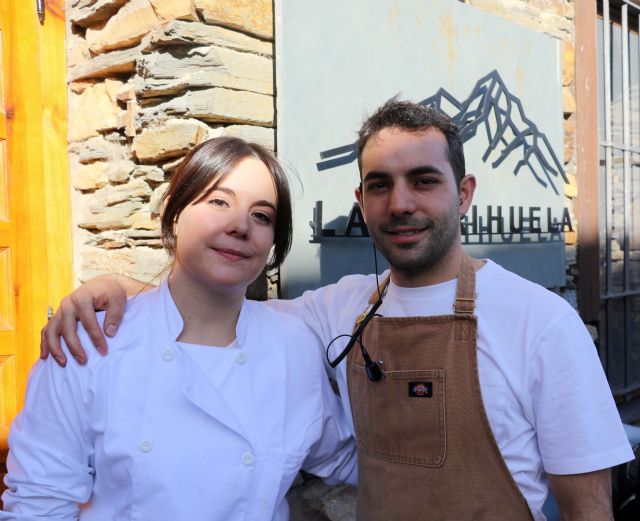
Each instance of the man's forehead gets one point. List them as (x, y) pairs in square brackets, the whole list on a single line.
[(400, 144)]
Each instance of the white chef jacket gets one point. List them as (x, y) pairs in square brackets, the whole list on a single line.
[(144, 434)]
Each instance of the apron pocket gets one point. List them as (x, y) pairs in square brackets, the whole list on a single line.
[(404, 415)]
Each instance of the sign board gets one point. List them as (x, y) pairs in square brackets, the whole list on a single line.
[(336, 62)]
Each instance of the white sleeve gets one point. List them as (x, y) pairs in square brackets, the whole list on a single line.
[(312, 308), (334, 456), (577, 423), (49, 463)]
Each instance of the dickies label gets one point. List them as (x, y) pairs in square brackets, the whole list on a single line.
[(420, 389)]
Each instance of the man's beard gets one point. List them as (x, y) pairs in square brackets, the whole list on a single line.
[(429, 253)]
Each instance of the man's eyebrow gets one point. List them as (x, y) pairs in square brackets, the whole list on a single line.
[(424, 169), (377, 175)]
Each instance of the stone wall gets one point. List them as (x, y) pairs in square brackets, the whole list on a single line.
[(148, 79)]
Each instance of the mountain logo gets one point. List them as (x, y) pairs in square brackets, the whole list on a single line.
[(492, 108)]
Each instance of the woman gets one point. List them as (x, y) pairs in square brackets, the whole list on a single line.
[(209, 404)]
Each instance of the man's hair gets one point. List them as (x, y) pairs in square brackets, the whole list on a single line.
[(413, 117)]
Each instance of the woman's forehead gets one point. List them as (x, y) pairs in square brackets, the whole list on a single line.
[(250, 177)]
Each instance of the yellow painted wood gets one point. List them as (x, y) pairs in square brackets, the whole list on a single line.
[(36, 232)]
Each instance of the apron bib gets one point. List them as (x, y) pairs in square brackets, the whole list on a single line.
[(425, 447)]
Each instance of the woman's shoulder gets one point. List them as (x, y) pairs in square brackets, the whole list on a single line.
[(271, 318), (137, 321)]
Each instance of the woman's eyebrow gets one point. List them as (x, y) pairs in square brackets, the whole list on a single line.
[(264, 202)]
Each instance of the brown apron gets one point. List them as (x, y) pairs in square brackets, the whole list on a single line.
[(425, 447)]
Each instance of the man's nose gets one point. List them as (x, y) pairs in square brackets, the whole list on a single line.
[(402, 200)]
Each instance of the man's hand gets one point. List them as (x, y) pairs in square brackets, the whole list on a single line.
[(583, 497), (108, 292)]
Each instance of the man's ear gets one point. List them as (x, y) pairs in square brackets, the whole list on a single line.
[(360, 199), (467, 189)]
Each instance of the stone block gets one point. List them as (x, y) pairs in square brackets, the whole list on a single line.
[(155, 201), (172, 139), (125, 29), (250, 16), (91, 176), (144, 220), (95, 214), (93, 111), (571, 188), (570, 238), (175, 9), (168, 72), (77, 50), (135, 189), (120, 171), (569, 138), (523, 13), (261, 135), (178, 32), (150, 173), (109, 240), (104, 65), (568, 63), (142, 263), (129, 118), (97, 149), (214, 105), (568, 100), (90, 12), (171, 165), (126, 92)]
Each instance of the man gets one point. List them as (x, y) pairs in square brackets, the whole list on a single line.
[(474, 388)]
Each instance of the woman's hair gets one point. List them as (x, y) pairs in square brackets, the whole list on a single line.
[(212, 161)]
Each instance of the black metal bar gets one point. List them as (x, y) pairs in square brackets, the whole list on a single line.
[(622, 294)]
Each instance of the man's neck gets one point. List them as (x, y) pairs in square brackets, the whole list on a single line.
[(446, 269)]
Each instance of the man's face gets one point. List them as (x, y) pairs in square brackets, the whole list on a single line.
[(410, 200)]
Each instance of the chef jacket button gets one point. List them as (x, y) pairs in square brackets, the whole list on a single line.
[(241, 358), (167, 355), (146, 446), (247, 459)]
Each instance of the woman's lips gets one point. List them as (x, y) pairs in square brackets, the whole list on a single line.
[(230, 254)]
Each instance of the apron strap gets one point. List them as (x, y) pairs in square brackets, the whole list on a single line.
[(465, 303)]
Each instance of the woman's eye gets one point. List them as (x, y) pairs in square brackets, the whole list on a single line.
[(263, 217), (218, 202)]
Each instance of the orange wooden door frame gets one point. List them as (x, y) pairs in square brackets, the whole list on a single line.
[(38, 217)]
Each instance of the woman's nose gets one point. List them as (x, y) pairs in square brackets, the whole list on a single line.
[(239, 223)]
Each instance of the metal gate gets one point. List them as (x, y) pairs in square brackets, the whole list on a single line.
[(619, 155)]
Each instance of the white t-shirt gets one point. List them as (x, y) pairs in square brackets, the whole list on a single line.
[(546, 395)]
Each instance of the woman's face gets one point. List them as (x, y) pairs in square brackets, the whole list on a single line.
[(224, 240)]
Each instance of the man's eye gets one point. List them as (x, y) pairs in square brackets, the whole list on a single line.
[(426, 181), (377, 186)]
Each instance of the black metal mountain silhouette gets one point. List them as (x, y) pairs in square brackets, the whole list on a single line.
[(490, 106)]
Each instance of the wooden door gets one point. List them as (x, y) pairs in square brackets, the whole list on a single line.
[(7, 240), (35, 226)]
